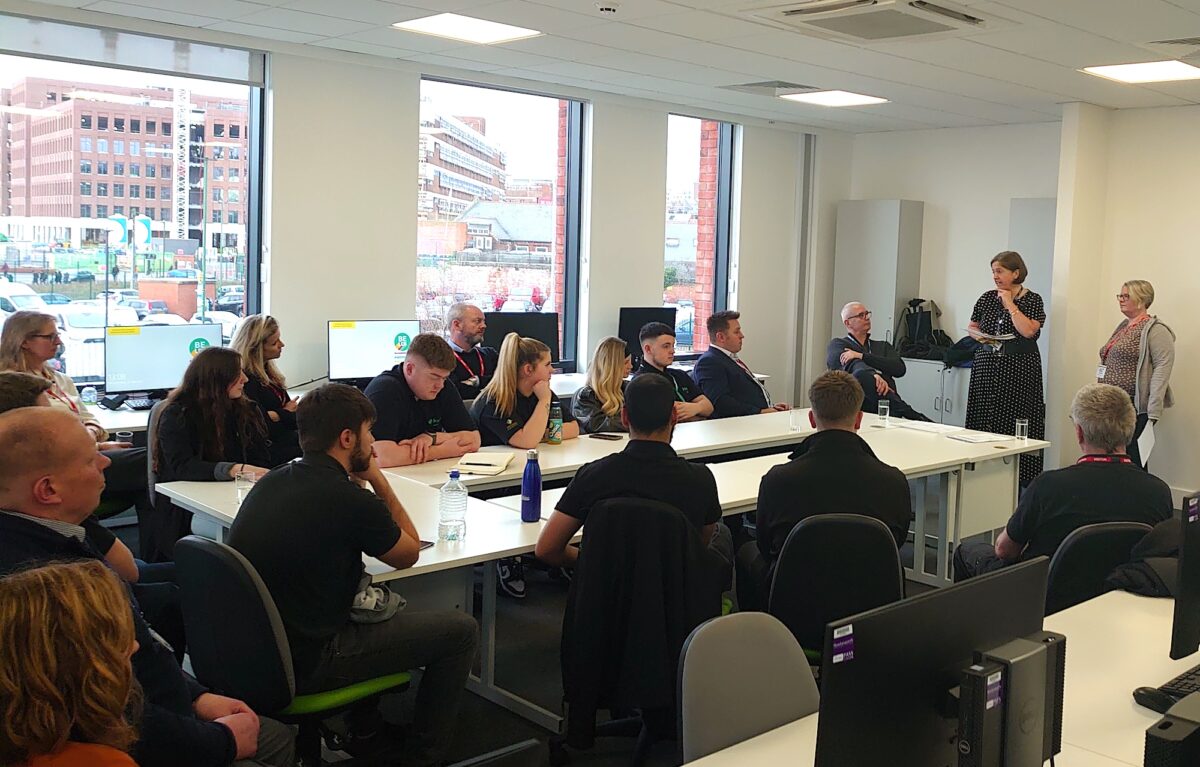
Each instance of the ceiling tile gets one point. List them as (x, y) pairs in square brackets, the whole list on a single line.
[(1132, 22), (625, 36), (628, 10), (540, 17), (701, 25), (367, 11), (669, 68), (153, 14), (217, 9), (353, 46), (452, 62), (270, 33), (1065, 46), (447, 6), (398, 38), (561, 48), (298, 21)]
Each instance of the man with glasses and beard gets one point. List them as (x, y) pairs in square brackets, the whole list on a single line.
[(305, 527), (874, 364)]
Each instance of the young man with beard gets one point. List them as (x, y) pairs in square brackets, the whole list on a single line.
[(305, 527)]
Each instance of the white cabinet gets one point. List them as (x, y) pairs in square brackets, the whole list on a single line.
[(938, 392), (877, 260)]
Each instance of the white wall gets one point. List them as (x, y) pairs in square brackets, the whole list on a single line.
[(1151, 229), (336, 245), (966, 177)]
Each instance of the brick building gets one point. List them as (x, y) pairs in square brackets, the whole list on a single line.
[(457, 165)]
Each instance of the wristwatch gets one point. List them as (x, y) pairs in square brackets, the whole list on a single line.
[(433, 436)]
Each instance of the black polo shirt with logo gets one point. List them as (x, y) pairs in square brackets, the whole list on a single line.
[(686, 389), (474, 370), (649, 470), (399, 415), (305, 527), (496, 429)]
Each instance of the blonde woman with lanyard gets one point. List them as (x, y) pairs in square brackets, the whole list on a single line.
[(597, 406), (1138, 359), (27, 344), (514, 409)]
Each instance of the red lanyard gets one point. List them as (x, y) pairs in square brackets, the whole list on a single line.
[(1105, 459), (62, 397), (479, 354), (1118, 336)]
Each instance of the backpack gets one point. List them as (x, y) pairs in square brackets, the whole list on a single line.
[(917, 334)]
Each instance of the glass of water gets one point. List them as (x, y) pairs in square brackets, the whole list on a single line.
[(1021, 430), (796, 419), (244, 481), (885, 412)]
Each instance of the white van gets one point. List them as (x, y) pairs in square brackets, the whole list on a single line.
[(16, 296)]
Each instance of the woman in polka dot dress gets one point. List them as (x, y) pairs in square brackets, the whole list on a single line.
[(1006, 379)]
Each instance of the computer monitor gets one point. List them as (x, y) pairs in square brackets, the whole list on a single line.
[(633, 318), (362, 349), (1185, 629), (540, 325), (152, 358), (887, 674)]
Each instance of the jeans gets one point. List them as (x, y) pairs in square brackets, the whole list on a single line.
[(443, 642)]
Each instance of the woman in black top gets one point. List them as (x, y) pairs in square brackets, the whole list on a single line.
[(597, 406), (514, 409), (205, 431), (1006, 377), (258, 341)]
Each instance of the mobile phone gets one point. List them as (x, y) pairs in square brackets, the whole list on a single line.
[(602, 435), (425, 545)]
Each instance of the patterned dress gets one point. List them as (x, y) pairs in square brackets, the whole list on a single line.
[(1007, 387)]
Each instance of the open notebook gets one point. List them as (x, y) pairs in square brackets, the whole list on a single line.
[(486, 464)]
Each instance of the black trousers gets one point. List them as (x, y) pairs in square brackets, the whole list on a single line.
[(125, 478), (898, 407), (1132, 448)]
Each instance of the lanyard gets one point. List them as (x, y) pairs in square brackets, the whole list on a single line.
[(1105, 459), (1118, 336), (62, 397), (479, 354), (678, 393)]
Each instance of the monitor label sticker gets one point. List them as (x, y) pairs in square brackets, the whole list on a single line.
[(993, 695), (843, 643), (1193, 509)]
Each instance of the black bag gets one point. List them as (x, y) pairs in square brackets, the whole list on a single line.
[(917, 334)]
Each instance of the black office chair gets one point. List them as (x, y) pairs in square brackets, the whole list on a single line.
[(644, 580), (238, 646), (1085, 558), (832, 566)]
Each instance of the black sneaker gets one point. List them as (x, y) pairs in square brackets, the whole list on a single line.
[(511, 577)]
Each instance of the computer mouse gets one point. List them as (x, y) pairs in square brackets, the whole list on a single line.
[(1153, 699)]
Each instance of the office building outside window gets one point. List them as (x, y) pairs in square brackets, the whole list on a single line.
[(497, 208)]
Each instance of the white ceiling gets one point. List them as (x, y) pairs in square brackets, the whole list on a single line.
[(682, 51)]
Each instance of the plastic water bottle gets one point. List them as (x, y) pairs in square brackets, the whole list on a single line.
[(452, 509), (554, 427), (531, 489), (89, 395)]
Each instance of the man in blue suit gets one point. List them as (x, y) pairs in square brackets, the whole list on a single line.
[(727, 381)]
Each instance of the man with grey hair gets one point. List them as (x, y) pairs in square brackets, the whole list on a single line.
[(465, 325), (874, 364), (1102, 486)]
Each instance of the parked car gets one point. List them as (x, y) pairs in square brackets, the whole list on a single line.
[(185, 274), (233, 301), (78, 275), (518, 305), (228, 321), (15, 296), (163, 319), (81, 330), (117, 295), (56, 298), (144, 307)]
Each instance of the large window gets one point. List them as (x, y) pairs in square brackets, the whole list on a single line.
[(498, 204), (696, 249), (91, 269)]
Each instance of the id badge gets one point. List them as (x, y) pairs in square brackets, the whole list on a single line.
[(1100, 371)]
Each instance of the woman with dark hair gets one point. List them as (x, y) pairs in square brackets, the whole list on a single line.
[(205, 431), (1006, 377), (67, 690)]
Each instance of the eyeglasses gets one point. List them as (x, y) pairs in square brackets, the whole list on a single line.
[(1122, 296), (859, 316), (47, 336)]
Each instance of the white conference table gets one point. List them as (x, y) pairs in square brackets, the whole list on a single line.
[(1115, 643)]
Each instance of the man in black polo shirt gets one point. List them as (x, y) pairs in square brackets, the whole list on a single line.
[(832, 472), (50, 483), (1103, 486), (658, 352), (419, 417), (305, 527), (475, 364), (647, 468)]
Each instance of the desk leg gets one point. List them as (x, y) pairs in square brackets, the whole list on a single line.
[(942, 489), (207, 527), (484, 685)]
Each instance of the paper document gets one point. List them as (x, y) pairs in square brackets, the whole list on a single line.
[(1146, 442), (932, 428), (976, 437), (988, 338), (486, 464)]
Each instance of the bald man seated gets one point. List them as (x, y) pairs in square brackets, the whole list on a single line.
[(874, 364), (52, 478)]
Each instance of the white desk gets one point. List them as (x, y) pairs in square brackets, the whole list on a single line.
[(121, 419), (1115, 643)]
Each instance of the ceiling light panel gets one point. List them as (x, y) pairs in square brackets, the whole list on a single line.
[(834, 98), (465, 28), (1147, 72)]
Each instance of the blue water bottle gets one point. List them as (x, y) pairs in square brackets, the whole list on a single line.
[(531, 489)]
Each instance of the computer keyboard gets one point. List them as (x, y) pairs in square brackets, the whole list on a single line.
[(140, 403), (1183, 685)]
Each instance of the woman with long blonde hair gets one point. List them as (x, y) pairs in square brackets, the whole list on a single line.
[(259, 342), (514, 409), (597, 406), (66, 683)]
